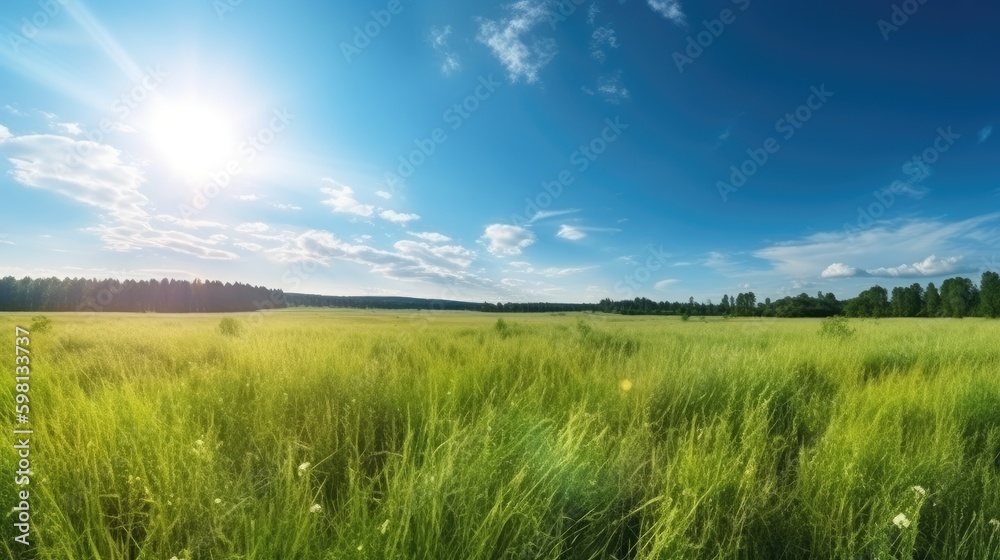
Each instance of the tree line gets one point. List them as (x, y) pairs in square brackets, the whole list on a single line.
[(957, 297), (162, 296)]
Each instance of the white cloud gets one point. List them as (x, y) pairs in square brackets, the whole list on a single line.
[(68, 128), (252, 227), (364, 238), (543, 214), (985, 133), (552, 272), (612, 89), (899, 240), (341, 199), (439, 40), (662, 285), (571, 233), (522, 57), (283, 206), (931, 266), (433, 237), (670, 9), (837, 270), (5, 133), (249, 197), (383, 194), (592, 12), (503, 239), (409, 260), (249, 246), (190, 224), (602, 39), (575, 233), (397, 217), (519, 264)]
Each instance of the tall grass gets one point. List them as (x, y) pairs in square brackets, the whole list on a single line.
[(352, 434)]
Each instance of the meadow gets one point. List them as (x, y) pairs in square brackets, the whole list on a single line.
[(336, 434)]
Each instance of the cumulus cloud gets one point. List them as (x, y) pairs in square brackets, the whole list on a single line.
[(503, 239), (383, 194), (397, 217), (68, 128), (341, 199), (839, 270), (931, 266), (523, 57)]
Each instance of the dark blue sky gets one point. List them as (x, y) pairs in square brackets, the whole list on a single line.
[(532, 150)]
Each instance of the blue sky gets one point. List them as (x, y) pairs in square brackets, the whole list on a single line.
[(521, 151)]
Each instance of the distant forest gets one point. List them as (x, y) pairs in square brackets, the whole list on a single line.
[(957, 297)]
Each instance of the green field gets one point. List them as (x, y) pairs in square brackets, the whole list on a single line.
[(354, 434)]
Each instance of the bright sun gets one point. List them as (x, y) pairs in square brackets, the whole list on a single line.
[(193, 137)]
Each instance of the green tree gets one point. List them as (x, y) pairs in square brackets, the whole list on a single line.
[(958, 297), (932, 301), (989, 295)]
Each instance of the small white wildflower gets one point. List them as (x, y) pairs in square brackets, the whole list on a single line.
[(304, 467), (901, 521), (360, 546), (199, 442), (315, 508), (218, 500), (919, 491), (384, 527)]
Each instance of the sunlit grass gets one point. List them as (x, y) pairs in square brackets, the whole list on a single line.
[(351, 434)]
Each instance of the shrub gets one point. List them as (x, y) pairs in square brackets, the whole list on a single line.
[(41, 323), (230, 327), (836, 326)]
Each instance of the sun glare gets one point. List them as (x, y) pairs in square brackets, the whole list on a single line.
[(193, 137)]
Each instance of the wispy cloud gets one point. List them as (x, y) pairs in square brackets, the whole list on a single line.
[(570, 232), (575, 233), (985, 133), (609, 87), (543, 214), (508, 38), (601, 40), (670, 9), (398, 217), (663, 285), (431, 236), (439, 40), (341, 199)]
